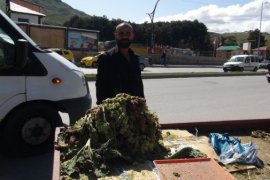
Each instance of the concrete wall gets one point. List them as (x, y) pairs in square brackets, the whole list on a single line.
[(188, 60)]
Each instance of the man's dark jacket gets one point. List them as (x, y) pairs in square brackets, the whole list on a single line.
[(116, 74)]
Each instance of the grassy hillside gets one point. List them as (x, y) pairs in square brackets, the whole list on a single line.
[(57, 12), (241, 37)]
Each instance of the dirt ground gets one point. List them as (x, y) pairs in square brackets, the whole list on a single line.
[(262, 145)]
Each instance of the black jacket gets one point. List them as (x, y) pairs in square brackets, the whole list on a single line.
[(116, 74)]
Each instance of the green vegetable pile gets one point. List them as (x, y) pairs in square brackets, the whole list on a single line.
[(188, 152), (121, 129)]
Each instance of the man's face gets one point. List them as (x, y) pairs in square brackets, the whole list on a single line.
[(124, 36)]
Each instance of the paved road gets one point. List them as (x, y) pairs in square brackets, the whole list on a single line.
[(31, 168), (172, 69), (209, 99), (178, 100)]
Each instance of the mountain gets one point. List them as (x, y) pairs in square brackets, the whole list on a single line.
[(241, 37), (56, 11)]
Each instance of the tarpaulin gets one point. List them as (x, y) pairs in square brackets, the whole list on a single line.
[(230, 150)]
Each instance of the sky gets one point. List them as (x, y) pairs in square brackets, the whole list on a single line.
[(219, 16)]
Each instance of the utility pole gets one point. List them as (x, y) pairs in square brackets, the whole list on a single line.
[(151, 15), (259, 38)]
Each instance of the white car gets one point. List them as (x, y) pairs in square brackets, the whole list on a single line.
[(144, 62), (242, 63)]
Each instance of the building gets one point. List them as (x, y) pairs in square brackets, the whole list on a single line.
[(228, 51), (22, 11), (262, 52)]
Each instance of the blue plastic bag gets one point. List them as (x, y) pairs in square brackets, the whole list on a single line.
[(230, 150)]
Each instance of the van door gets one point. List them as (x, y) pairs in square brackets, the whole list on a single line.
[(255, 63), (247, 64), (12, 80)]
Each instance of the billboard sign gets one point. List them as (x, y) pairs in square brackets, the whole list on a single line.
[(82, 40)]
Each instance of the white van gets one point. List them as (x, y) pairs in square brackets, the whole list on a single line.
[(242, 63), (35, 85)]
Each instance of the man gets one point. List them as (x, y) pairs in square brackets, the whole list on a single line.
[(163, 57), (118, 68)]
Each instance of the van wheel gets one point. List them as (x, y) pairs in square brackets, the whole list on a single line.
[(255, 69), (29, 130), (241, 69)]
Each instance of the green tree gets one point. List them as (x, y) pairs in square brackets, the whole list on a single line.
[(230, 41), (181, 34), (253, 37)]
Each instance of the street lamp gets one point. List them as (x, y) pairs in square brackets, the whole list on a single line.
[(259, 38), (151, 15)]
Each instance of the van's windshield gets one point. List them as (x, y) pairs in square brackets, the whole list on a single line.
[(25, 36), (237, 59)]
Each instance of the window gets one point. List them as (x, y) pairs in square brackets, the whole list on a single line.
[(252, 58), (66, 52), (23, 20), (58, 52), (247, 59)]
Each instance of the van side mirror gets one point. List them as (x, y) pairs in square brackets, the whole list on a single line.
[(21, 53)]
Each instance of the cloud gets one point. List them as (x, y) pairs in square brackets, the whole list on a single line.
[(233, 18)]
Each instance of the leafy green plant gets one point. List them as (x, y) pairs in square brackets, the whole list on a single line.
[(121, 128)]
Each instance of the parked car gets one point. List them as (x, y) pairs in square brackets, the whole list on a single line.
[(144, 62), (264, 64), (242, 63), (65, 53), (90, 61)]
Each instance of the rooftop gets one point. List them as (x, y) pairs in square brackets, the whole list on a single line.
[(20, 9)]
